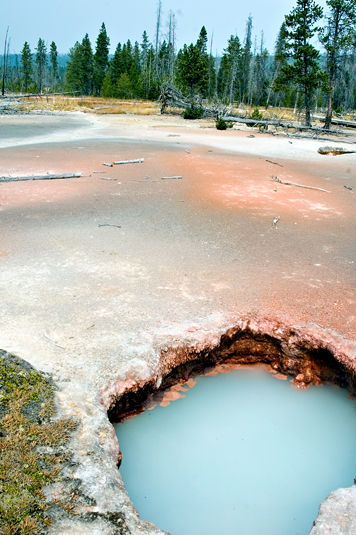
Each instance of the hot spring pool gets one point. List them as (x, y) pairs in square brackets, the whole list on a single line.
[(241, 454)]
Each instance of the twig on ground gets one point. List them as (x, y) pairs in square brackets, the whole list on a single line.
[(297, 185), (108, 164), (107, 178), (108, 225), (171, 177), (348, 187), (274, 163), (51, 340), (140, 160), (39, 177)]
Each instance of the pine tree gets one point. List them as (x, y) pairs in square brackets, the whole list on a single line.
[(163, 61), (116, 65), (304, 70), (228, 76), (101, 58), (41, 60), (146, 64), (107, 90), (74, 71), (260, 74), (27, 66), (87, 66), (202, 45), (137, 56), (145, 45), (279, 60), (202, 42), (338, 36), (53, 52), (124, 86), (192, 70)]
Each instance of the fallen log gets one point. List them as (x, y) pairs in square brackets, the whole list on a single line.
[(298, 136), (39, 177), (276, 179), (281, 124), (140, 160), (336, 151), (29, 95), (338, 122)]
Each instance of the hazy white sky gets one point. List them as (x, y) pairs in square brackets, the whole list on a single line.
[(67, 21)]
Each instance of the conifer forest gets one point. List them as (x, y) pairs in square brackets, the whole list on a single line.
[(312, 66)]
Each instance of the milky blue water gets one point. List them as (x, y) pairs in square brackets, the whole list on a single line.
[(242, 454)]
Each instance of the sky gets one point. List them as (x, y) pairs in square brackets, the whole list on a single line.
[(67, 21)]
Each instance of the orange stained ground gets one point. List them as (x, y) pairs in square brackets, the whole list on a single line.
[(302, 268)]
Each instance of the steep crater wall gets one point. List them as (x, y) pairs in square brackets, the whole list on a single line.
[(310, 358)]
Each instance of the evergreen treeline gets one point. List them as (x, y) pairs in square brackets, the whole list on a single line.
[(299, 73)]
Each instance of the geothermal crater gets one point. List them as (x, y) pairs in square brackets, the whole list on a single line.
[(311, 359)]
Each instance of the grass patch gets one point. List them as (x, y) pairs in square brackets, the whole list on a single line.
[(28, 428), (97, 105)]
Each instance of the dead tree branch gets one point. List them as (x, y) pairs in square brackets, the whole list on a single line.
[(297, 185), (39, 177), (140, 160)]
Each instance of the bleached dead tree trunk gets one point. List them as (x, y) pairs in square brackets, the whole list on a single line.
[(171, 44), (4, 61), (158, 32)]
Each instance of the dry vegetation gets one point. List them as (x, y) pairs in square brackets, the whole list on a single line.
[(281, 114), (96, 105), (103, 106), (107, 106)]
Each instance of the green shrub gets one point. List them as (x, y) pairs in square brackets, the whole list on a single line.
[(193, 113), (257, 115), (221, 124), (107, 90)]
